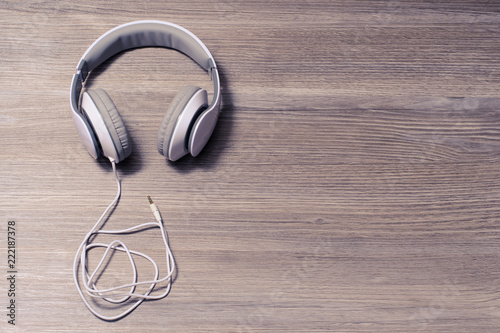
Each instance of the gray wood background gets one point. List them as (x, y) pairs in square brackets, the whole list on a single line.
[(351, 185)]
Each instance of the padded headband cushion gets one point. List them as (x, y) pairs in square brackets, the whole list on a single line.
[(170, 118), (144, 34), (113, 121)]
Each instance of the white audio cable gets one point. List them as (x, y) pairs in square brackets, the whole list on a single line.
[(126, 291)]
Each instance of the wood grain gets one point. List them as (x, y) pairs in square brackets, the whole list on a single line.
[(351, 184)]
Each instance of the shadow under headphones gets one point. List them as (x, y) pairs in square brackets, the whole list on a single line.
[(188, 122)]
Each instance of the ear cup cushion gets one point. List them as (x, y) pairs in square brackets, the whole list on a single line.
[(113, 121), (170, 118)]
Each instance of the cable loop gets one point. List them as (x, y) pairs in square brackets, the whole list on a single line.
[(111, 294)]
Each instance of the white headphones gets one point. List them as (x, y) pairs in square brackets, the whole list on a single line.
[(189, 121), (186, 128)]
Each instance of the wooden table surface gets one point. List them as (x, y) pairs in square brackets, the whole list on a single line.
[(352, 183)]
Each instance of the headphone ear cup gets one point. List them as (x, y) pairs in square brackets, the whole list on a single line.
[(113, 136), (174, 130)]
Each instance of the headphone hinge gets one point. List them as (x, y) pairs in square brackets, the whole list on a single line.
[(82, 70), (211, 71), (211, 68)]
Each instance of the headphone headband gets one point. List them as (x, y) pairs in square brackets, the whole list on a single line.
[(148, 33)]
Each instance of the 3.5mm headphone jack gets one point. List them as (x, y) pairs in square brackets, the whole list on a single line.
[(154, 209)]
